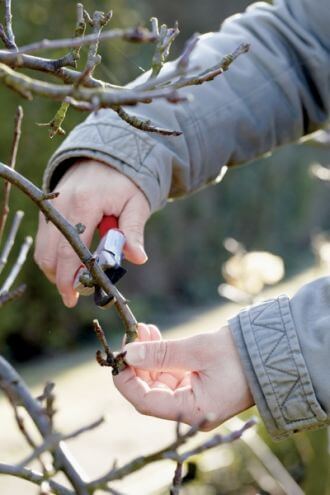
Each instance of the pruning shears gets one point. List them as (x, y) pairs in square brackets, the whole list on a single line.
[(109, 255)]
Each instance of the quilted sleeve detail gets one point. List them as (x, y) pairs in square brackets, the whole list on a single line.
[(267, 338)]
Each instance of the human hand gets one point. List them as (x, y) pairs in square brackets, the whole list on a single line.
[(188, 379), (88, 191)]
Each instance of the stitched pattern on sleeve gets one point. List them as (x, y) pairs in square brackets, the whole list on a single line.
[(132, 148), (274, 349), (275, 352)]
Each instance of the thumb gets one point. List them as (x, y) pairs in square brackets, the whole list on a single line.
[(132, 222), (183, 354)]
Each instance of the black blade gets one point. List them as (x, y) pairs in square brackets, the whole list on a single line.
[(114, 275)]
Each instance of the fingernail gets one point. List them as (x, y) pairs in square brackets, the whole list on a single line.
[(68, 301), (144, 256), (135, 354)]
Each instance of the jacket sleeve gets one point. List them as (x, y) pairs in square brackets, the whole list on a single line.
[(284, 347), (273, 95)]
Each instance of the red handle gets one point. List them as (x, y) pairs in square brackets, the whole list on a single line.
[(107, 223)]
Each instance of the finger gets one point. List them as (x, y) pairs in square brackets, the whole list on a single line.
[(159, 402), (45, 252), (191, 354), (143, 332), (68, 261), (154, 335), (154, 332), (132, 221), (143, 335)]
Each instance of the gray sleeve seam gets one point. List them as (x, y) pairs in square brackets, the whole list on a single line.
[(298, 403)]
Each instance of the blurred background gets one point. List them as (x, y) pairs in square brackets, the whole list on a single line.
[(274, 204)]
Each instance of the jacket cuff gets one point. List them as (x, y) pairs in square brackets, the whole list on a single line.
[(267, 341), (116, 143)]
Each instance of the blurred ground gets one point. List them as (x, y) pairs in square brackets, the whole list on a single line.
[(85, 392)]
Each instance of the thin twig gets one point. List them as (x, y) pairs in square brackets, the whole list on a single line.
[(55, 125), (144, 125), (12, 164), (27, 87), (177, 479), (4, 37), (12, 382), (18, 265), (11, 296), (162, 50), (9, 26), (34, 477), (54, 439), (55, 67), (212, 72), (14, 402), (136, 35), (169, 452), (112, 359), (11, 239)]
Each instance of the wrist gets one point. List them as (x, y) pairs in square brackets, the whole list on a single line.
[(240, 395)]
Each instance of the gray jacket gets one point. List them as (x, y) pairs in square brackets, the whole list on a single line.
[(271, 96)]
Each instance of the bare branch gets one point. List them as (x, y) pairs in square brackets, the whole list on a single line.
[(55, 124), (177, 479), (55, 67), (34, 477), (8, 25), (212, 72), (80, 30), (144, 125), (183, 62), (54, 440), (4, 37), (113, 360), (169, 452), (135, 35), (8, 297), (11, 382), (18, 265), (162, 51), (27, 87), (12, 164), (11, 239)]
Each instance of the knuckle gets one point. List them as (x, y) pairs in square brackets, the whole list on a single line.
[(135, 230), (80, 200), (45, 263), (65, 251), (160, 354)]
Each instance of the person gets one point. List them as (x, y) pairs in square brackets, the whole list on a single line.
[(275, 354)]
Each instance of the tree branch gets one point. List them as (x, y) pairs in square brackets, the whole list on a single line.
[(18, 265), (11, 383), (55, 439), (170, 452), (144, 125), (8, 297), (34, 477), (8, 26), (135, 35), (11, 239), (12, 164), (27, 87)]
